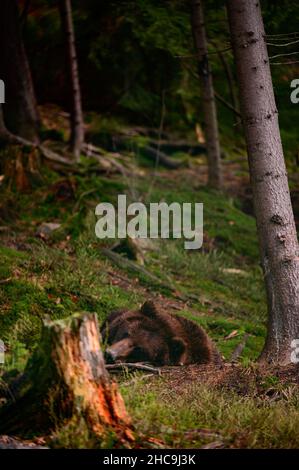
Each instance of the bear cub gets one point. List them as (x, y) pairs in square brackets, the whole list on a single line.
[(160, 338)]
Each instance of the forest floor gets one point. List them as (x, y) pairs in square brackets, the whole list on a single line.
[(220, 287)]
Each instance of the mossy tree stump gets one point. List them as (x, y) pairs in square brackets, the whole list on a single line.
[(20, 164), (65, 380)]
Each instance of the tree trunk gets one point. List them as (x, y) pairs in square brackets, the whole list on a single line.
[(208, 98), (64, 382), (77, 122), (3, 130), (20, 111), (275, 220)]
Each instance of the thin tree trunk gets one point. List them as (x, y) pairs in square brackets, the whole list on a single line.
[(20, 110), (275, 220), (3, 130), (77, 122), (208, 98)]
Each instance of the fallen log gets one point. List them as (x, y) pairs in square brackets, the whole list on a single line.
[(160, 158), (152, 153), (66, 381)]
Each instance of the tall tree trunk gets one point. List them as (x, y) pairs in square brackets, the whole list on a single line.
[(275, 220), (77, 122), (20, 111), (208, 98)]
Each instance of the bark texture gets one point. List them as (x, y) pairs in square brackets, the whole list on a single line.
[(207, 93), (65, 380), (275, 220), (77, 122), (20, 110)]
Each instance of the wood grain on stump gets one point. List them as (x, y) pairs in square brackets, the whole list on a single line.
[(66, 379)]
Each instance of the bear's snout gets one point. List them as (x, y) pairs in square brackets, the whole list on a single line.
[(119, 351)]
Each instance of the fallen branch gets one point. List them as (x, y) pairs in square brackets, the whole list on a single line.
[(53, 156), (160, 157), (227, 104), (154, 154), (13, 139), (5, 281), (109, 162), (131, 365)]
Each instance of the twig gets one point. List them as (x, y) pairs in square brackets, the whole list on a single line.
[(5, 281), (284, 55), (191, 56), (294, 33), (239, 349), (131, 365), (81, 197), (160, 131), (283, 45), (227, 104), (285, 63)]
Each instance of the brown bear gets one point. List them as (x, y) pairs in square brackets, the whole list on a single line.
[(149, 335)]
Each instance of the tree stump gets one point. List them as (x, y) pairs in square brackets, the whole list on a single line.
[(20, 164), (66, 380)]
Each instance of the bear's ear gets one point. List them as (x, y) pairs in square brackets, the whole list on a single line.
[(177, 349), (149, 309)]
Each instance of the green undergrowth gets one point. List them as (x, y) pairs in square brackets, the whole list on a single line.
[(221, 286), (222, 282), (198, 415)]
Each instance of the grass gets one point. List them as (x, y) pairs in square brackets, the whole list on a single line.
[(236, 421), (55, 274), (224, 282)]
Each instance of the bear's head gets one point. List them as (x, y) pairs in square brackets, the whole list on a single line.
[(145, 335)]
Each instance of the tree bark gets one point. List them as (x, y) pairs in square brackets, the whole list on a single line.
[(208, 98), (20, 111), (3, 130), (77, 122), (66, 381), (275, 220)]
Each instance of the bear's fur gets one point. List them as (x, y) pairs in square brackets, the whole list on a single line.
[(150, 335)]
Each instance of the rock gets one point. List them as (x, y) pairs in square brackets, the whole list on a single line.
[(46, 229)]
